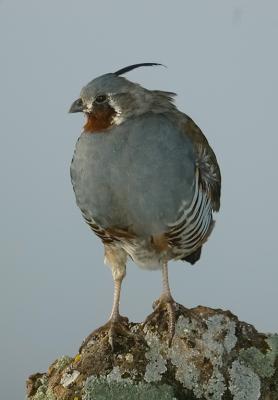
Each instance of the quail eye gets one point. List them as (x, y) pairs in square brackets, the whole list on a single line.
[(101, 98)]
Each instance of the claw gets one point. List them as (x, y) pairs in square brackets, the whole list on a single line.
[(170, 306), (117, 328), (171, 320), (173, 309), (112, 329)]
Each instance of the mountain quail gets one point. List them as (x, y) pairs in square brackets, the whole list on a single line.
[(145, 179)]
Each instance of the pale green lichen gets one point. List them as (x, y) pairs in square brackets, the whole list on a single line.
[(101, 389), (215, 345), (116, 376), (62, 362), (244, 383), (211, 347), (215, 388), (156, 355), (272, 341), (44, 392), (184, 327), (261, 363), (186, 371), (230, 339)]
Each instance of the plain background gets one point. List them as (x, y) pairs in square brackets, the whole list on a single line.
[(222, 61)]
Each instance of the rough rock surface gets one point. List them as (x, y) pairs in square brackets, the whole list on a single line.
[(213, 356)]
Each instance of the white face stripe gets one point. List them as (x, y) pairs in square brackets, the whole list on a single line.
[(118, 118), (89, 108)]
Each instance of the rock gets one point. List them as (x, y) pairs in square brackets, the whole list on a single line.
[(213, 356)]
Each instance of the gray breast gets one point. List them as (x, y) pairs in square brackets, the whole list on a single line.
[(136, 175)]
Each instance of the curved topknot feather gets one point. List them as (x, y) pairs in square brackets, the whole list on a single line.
[(131, 67)]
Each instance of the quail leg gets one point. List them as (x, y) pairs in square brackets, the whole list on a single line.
[(116, 325), (167, 302)]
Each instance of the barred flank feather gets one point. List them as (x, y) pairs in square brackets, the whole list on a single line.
[(192, 228)]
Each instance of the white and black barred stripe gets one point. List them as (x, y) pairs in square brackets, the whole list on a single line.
[(101, 233), (193, 226)]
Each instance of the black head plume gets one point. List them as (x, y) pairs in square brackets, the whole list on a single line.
[(131, 67)]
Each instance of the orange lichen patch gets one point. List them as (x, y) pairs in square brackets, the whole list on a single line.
[(100, 119)]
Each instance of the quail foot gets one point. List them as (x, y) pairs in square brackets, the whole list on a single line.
[(146, 181)]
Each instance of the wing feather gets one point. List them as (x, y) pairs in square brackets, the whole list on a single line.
[(206, 162)]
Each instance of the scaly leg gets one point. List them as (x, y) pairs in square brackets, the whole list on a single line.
[(165, 301), (116, 301), (116, 325)]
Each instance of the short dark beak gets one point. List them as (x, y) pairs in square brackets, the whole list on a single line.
[(77, 106)]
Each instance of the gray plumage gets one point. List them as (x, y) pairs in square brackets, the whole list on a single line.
[(134, 176), (145, 178)]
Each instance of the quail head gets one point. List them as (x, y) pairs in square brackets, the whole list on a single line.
[(146, 181)]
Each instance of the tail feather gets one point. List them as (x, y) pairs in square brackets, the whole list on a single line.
[(193, 257)]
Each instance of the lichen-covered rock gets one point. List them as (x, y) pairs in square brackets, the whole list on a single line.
[(213, 356)]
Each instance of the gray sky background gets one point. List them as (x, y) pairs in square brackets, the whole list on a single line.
[(222, 61)]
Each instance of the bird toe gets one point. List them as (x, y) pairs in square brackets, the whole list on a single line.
[(161, 306), (113, 329)]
